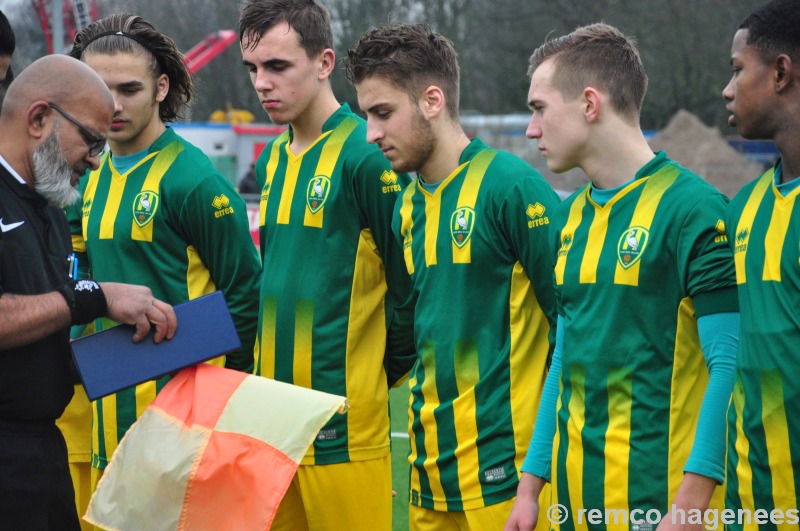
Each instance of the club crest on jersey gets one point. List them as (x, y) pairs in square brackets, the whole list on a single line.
[(461, 224), (566, 243), (318, 189), (145, 205), (631, 245)]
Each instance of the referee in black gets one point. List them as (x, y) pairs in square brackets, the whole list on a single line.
[(53, 128)]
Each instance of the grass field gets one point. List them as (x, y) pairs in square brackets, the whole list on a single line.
[(398, 402)]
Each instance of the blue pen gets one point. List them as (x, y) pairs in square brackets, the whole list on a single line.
[(72, 260)]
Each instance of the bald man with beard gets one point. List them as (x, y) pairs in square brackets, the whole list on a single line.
[(55, 119)]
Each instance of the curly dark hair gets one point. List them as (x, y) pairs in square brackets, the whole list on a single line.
[(165, 58)]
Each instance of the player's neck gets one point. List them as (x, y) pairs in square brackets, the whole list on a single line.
[(307, 126), (788, 144), (450, 144), (614, 159), (143, 140)]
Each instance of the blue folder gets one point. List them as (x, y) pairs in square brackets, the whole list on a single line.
[(109, 361)]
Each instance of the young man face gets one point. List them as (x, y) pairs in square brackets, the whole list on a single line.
[(286, 79), (557, 123), (750, 90), (136, 123), (396, 124)]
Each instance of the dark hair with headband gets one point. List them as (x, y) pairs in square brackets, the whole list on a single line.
[(128, 33)]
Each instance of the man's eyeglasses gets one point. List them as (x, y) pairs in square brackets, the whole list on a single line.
[(96, 143)]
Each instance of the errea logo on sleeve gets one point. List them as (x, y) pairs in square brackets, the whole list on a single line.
[(721, 236), (389, 179), (536, 217), (221, 203)]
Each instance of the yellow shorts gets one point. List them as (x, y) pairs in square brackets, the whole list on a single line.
[(76, 426), (354, 496), (490, 518)]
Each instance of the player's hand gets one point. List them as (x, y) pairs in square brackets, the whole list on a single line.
[(525, 512), (135, 305)]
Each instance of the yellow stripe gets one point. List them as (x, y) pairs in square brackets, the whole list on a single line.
[(145, 394), (303, 330), (113, 200), (776, 235), (618, 439), (594, 246), (152, 182), (89, 193), (643, 217), (266, 353), (198, 277), (746, 223), (293, 163), (687, 389), (573, 222), (366, 337), (426, 418), (468, 196), (432, 211), (744, 472), (406, 224), (109, 425), (598, 231), (78, 243), (527, 363), (577, 419), (776, 432), (272, 165), (465, 407), (327, 162)]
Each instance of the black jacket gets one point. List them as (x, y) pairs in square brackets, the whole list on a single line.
[(36, 380)]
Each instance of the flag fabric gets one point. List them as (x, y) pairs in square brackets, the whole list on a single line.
[(216, 450)]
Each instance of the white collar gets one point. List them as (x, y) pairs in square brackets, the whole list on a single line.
[(11, 170)]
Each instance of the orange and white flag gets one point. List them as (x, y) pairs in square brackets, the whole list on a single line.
[(217, 449)]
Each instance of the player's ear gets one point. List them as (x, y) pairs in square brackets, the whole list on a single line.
[(432, 101), (327, 62), (784, 72), (592, 104)]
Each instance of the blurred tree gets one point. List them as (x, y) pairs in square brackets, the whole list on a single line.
[(685, 45)]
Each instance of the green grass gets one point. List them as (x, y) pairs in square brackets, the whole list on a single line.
[(398, 403)]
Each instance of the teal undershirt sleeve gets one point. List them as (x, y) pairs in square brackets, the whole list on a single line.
[(540, 449), (719, 338)]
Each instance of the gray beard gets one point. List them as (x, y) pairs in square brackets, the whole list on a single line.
[(52, 174)]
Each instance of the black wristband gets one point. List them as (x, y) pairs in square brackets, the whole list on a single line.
[(86, 300)]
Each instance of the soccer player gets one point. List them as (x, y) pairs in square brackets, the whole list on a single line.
[(334, 311), (647, 308), (763, 97), (474, 232), (156, 211)]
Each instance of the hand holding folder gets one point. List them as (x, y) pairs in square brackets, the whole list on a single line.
[(109, 361)]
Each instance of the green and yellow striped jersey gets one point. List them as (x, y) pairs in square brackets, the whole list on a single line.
[(477, 250), (764, 432), (334, 294), (631, 276), (176, 225)]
